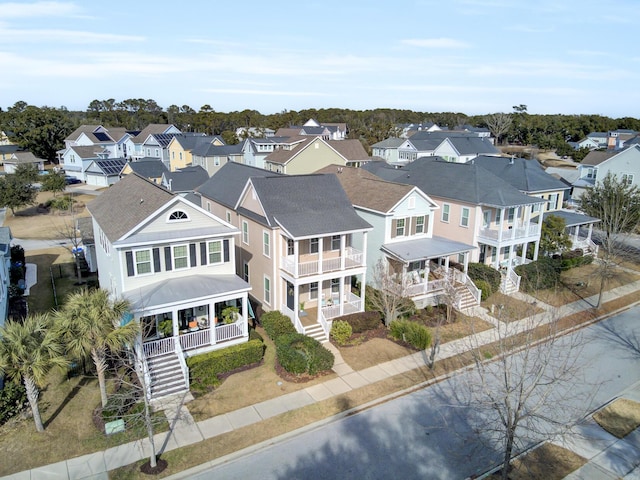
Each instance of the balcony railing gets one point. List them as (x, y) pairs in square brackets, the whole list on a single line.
[(352, 259), (193, 340), (514, 233)]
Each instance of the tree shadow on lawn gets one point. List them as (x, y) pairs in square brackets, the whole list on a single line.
[(74, 391)]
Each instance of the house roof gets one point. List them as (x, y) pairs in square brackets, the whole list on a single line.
[(392, 142), (210, 150), (86, 129), (85, 225), (23, 158), (464, 182), (307, 205), (425, 248), (596, 157), (108, 166), (526, 175), (87, 151), (190, 142), (572, 219), (226, 185), (186, 179), (148, 167), (151, 129), (472, 145), (367, 190), (350, 149), (126, 204)]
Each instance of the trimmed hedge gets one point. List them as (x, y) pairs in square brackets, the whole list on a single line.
[(415, 334), (276, 324), (205, 368), (573, 259), (480, 271), (362, 321), (341, 332), (485, 289), (538, 275), (299, 354)]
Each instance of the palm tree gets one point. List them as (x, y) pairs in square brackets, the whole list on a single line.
[(28, 352), (90, 323)]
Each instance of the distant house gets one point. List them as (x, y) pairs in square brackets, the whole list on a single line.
[(624, 164), (213, 157), (387, 149), (174, 263), (326, 131), (5, 263), (461, 149), (113, 140), (103, 172), (185, 180), (255, 150), (22, 158), (76, 159), (181, 148), (256, 132), (152, 141), (149, 168)]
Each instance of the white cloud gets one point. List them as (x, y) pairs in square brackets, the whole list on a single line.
[(282, 93), (435, 42), (69, 36), (38, 9)]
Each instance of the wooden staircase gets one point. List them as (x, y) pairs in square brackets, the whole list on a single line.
[(316, 331), (167, 377), (467, 300)]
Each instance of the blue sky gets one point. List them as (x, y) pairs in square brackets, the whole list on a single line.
[(469, 56)]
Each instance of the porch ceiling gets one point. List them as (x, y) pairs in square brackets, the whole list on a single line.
[(425, 248), (571, 219), (185, 290)]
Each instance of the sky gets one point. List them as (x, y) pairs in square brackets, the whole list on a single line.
[(470, 56)]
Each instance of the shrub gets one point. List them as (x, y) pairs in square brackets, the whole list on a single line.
[(17, 254), (363, 321), (276, 324), (254, 335), (485, 288), (204, 369), (13, 399), (538, 275), (480, 271), (61, 203), (120, 404), (299, 354), (573, 259), (416, 335), (341, 331)]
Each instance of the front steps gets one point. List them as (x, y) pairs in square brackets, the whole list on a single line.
[(166, 376), (316, 331)]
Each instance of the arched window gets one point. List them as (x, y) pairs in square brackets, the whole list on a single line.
[(178, 215)]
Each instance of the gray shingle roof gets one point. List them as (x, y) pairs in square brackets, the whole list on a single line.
[(126, 204), (148, 167), (307, 205), (528, 176), (109, 166), (210, 150), (473, 145), (572, 219), (186, 179), (425, 248), (392, 142)]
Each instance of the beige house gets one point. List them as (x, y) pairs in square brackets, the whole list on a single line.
[(181, 147)]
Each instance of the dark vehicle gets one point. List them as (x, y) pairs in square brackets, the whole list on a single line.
[(69, 180)]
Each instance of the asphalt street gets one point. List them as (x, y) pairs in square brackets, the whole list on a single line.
[(433, 433)]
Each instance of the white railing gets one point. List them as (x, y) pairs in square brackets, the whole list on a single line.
[(294, 318), (183, 365), (326, 324), (586, 243), (159, 347), (531, 230), (511, 278), (331, 312), (352, 304), (145, 369), (352, 258), (197, 339), (475, 291), (229, 332)]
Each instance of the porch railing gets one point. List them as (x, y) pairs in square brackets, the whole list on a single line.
[(229, 332), (352, 258), (156, 348), (516, 232), (183, 364), (197, 339), (511, 281)]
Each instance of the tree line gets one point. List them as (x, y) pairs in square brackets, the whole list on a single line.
[(42, 130)]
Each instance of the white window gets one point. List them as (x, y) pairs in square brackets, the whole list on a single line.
[(420, 224), (553, 202), (215, 252), (180, 257), (464, 217), (180, 155), (314, 245), (400, 227), (335, 242), (313, 290), (245, 232), (245, 271), (216, 161), (445, 212), (511, 214), (228, 217), (208, 206), (267, 290), (290, 247), (157, 152), (335, 285), (178, 215), (627, 178), (498, 216), (266, 244), (143, 262)]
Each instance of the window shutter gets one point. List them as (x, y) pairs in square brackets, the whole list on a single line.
[(226, 250), (167, 258), (192, 254), (130, 271), (203, 253), (394, 226), (156, 260)]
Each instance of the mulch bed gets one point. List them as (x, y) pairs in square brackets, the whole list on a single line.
[(160, 467), (295, 378)]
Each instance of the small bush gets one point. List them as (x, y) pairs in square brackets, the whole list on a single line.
[(300, 354), (276, 324), (17, 254), (363, 321), (538, 275), (120, 404), (341, 332), (416, 335), (204, 369), (573, 259), (485, 289), (61, 203), (13, 399), (480, 271)]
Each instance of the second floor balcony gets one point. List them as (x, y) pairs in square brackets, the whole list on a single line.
[(306, 265), (517, 231)]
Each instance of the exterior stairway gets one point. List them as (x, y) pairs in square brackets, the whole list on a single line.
[(166, 375), (316, 331), (467, 300)]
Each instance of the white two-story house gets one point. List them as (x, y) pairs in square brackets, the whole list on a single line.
[(175, 264)]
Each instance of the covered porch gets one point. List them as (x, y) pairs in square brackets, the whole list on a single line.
[(579, 227)]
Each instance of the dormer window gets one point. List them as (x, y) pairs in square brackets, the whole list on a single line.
[(178, 216)]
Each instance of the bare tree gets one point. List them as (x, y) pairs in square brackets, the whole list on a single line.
[(617, 204), (498, 124), (448, 298), (388, 293), (523, 387)]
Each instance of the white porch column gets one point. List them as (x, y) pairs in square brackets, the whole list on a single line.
[(320, 251), (245, 315), (212, 323), (296, 257), (364, 248), (576, 231), (174, 322), (466, 262), (516, 220), (536, 249), (512, 251), (363, 289), (341, 303), (503, 213), (343, 252), (590, 231), (496, 255), (523, 256)]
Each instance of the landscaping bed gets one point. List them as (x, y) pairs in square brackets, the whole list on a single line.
[(546, 462), (620, 417)]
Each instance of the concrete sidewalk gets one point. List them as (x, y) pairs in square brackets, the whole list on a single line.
[(187, 432)]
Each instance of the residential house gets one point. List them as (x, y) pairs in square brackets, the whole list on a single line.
[(152, 141), (326, 131), (213, 157), (185, 180), (409, 129), (255, 150), (388, 149), (76, 159), (174, 262), (481, 132), (112, 140), (302, 248), (461, 149), (530, 178), (624, 164), (22, 158), (313, 153), (5, 264), (259, 132), (476, 208), (103, 172), (402, 217), (181, 148), (149, 168)]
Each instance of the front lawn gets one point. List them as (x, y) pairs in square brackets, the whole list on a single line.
[(620, 417), (546, 462), (509, 309)]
